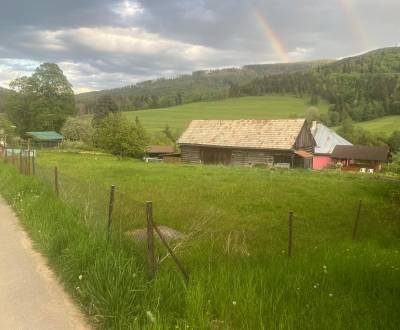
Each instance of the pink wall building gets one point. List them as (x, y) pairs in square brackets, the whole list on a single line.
[(326, 140)]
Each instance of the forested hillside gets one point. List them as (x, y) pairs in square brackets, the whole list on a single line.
[(362, 87), (198, 86)]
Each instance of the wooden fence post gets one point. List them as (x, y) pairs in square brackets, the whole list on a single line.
[(28, 163), (56, 180), (178, 263), (290, 237), (110, 211), (5, 149), (20, 158), (357, 220), (151, 261), (33, 162)]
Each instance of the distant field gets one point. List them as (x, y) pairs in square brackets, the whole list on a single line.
[(252, 107), (386, 125)]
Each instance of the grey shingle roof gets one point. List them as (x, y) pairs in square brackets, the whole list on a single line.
[(261, 134), (361, 153), (326, 139)]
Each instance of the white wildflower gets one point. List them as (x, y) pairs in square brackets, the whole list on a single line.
[(331, 295), (151, 316), (80, 277), (234, 302)]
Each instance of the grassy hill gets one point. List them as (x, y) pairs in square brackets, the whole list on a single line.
[(202, 85), (362, 87), (236, 219), (256, 107), (386, 125)]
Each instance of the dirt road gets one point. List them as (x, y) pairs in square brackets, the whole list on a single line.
[(30, 296)]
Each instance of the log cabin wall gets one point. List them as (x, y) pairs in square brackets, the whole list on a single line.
[(305, 140), (242, 157), (251, 156), (190, 154)]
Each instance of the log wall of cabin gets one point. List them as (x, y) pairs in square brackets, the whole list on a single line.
[(251, 156), (243, 157), (305, 140), (190, 154)]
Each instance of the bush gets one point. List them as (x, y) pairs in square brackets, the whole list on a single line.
[(394, 166), (78, 129), (118, 135)]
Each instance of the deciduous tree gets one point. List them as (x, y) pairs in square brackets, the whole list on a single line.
[(42, 101)]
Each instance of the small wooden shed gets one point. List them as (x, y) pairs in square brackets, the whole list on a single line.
[(283, 142), (45, 139), (159, 151), (352, 158)]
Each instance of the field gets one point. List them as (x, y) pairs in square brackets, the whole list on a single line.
[(255, 107), (386, 125), (240, 274)]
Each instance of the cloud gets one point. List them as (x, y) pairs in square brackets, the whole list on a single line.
[(108, 43)]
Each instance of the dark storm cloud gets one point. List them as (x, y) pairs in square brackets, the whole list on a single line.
[(106, 43)]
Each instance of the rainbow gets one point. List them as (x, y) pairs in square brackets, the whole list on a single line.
[(355, 24), (272, 36)]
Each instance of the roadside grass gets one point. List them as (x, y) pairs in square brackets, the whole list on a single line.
[(249, 107), (240, 275)]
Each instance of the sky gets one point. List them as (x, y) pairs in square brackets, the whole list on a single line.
[(101, 44)]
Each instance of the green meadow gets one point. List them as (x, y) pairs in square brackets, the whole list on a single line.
[(235, 226), (251, 107), (386, 125)]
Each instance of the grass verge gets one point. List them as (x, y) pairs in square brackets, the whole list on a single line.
[(237, 281)]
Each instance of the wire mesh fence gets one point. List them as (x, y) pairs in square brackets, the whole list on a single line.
[(124, 220)]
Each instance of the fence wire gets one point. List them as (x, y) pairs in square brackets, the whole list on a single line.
[(122, 219)]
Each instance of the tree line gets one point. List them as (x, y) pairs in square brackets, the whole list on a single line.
[(205, 85), (45, 101)]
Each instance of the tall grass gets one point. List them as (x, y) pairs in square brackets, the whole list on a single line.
[(240, 275)]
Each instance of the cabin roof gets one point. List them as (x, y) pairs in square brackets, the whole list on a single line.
[(326, 139), (160, 149), (45, 136), (361, 153), (261, 134)]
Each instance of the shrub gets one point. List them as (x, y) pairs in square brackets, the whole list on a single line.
[(119, 136), (78, 129)]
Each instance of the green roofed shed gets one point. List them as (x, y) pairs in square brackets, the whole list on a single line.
[(45, 139)]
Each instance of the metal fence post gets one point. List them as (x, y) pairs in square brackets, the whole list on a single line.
[(151, 261)]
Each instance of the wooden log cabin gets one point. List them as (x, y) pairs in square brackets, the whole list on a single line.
[(282, 143), (353, 158)]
